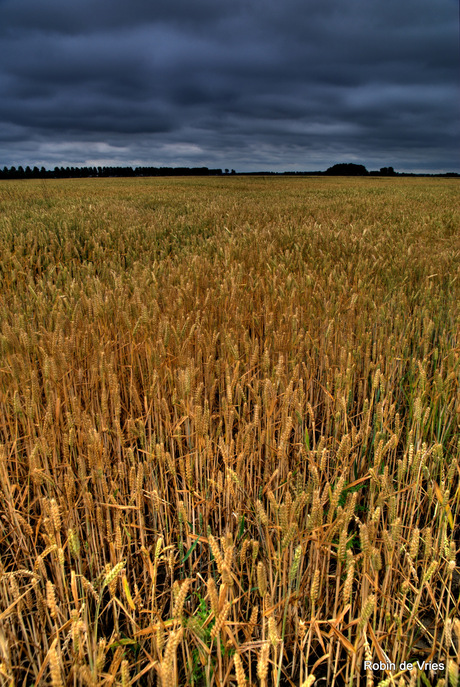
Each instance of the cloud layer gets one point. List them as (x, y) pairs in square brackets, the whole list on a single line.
[(249, 85)]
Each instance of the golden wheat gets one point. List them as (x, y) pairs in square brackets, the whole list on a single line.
[(251, 434)]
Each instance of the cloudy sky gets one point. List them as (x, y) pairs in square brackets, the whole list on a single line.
[(247, 84)]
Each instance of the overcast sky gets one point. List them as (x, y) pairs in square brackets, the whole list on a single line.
[(247, 84)]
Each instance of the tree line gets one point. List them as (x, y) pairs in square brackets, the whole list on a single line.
[(87, 172), (341, 169), (351, 169)]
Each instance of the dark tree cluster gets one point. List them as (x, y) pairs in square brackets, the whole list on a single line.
[(85, 172), (387, 172), (348, 169)]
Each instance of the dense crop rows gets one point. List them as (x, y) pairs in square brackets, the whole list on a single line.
[(229, 447)]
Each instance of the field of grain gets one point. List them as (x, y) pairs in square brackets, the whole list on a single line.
[(229, 431)]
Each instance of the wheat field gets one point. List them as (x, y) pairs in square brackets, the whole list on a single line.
[(229, 432)]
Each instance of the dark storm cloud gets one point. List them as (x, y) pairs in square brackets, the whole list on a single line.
[(250, 84)]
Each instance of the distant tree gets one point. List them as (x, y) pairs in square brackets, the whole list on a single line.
[(387, 172), (347, 169), (226, 171)]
